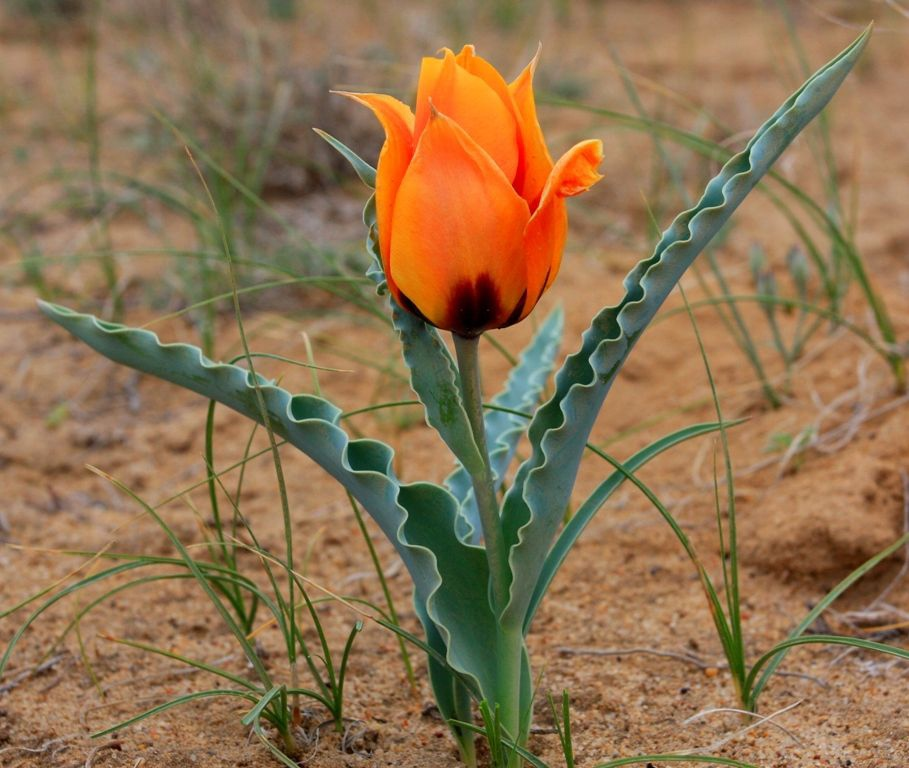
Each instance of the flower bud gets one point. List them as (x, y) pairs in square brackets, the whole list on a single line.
[(470, 206)]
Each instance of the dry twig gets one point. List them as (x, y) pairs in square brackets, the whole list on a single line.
[(25, 674), (112, 744), (766, 720), (688, 658)]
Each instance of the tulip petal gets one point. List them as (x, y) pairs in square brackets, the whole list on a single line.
[(457, 234), (397, 120), (468, 60), (537, 162), (576, 171), (484, 111), (544, 238)]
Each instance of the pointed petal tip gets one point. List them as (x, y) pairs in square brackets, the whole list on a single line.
[(525, 78), (360, 98), (536, 56), (357, 97)]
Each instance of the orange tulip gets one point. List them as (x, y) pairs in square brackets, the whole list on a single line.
[(470, 207)]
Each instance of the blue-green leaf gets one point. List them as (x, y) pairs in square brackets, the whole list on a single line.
[(434, 379), (433, 373), (450, 577), (363, 169), (503, 430), (452, 697), (535, 504), (374, 271)]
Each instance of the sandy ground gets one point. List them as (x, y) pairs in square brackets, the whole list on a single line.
[(627, 607)]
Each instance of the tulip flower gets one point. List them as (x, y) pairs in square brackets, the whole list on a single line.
[(470, 206)]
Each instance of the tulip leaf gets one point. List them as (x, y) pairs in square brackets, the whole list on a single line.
[(535, 504), (363, 169), (452, 697), (434, 379), (503, 430), (433, 373), (450, 577), (374, 270)]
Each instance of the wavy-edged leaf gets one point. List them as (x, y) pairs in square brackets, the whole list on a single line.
[(434, 379), (558, 433), (452, 697), (522, 392), (450, 577), (433, 373)]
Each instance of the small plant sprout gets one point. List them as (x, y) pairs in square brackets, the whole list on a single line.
[(465, 233), (749, 679)]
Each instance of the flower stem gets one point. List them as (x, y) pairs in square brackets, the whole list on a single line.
[(509, 651), (467, 352)]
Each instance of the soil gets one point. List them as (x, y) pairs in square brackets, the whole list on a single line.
[(625, 629)]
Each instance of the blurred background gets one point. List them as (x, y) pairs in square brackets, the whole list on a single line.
[(100, 98), (142, 142)]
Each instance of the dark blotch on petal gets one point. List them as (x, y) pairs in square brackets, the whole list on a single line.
[(474, 306)]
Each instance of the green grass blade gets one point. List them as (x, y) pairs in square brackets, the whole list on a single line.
[(670, 758), (386, 592), (255, 713), (275, 752), (342, 673), (753, 693), (244, 191), (719, 618), (236, 581), (65, 592), (179, 700), (585, 513), (201, 579), (787, 303), (200, 665), (562, 722), (729, 553), (855, 642), (637, 760)]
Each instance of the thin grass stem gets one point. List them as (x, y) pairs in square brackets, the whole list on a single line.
[(386, 592)]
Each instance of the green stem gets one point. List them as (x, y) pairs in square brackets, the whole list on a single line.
[(510, 639), (509, 668), (467, 352)]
